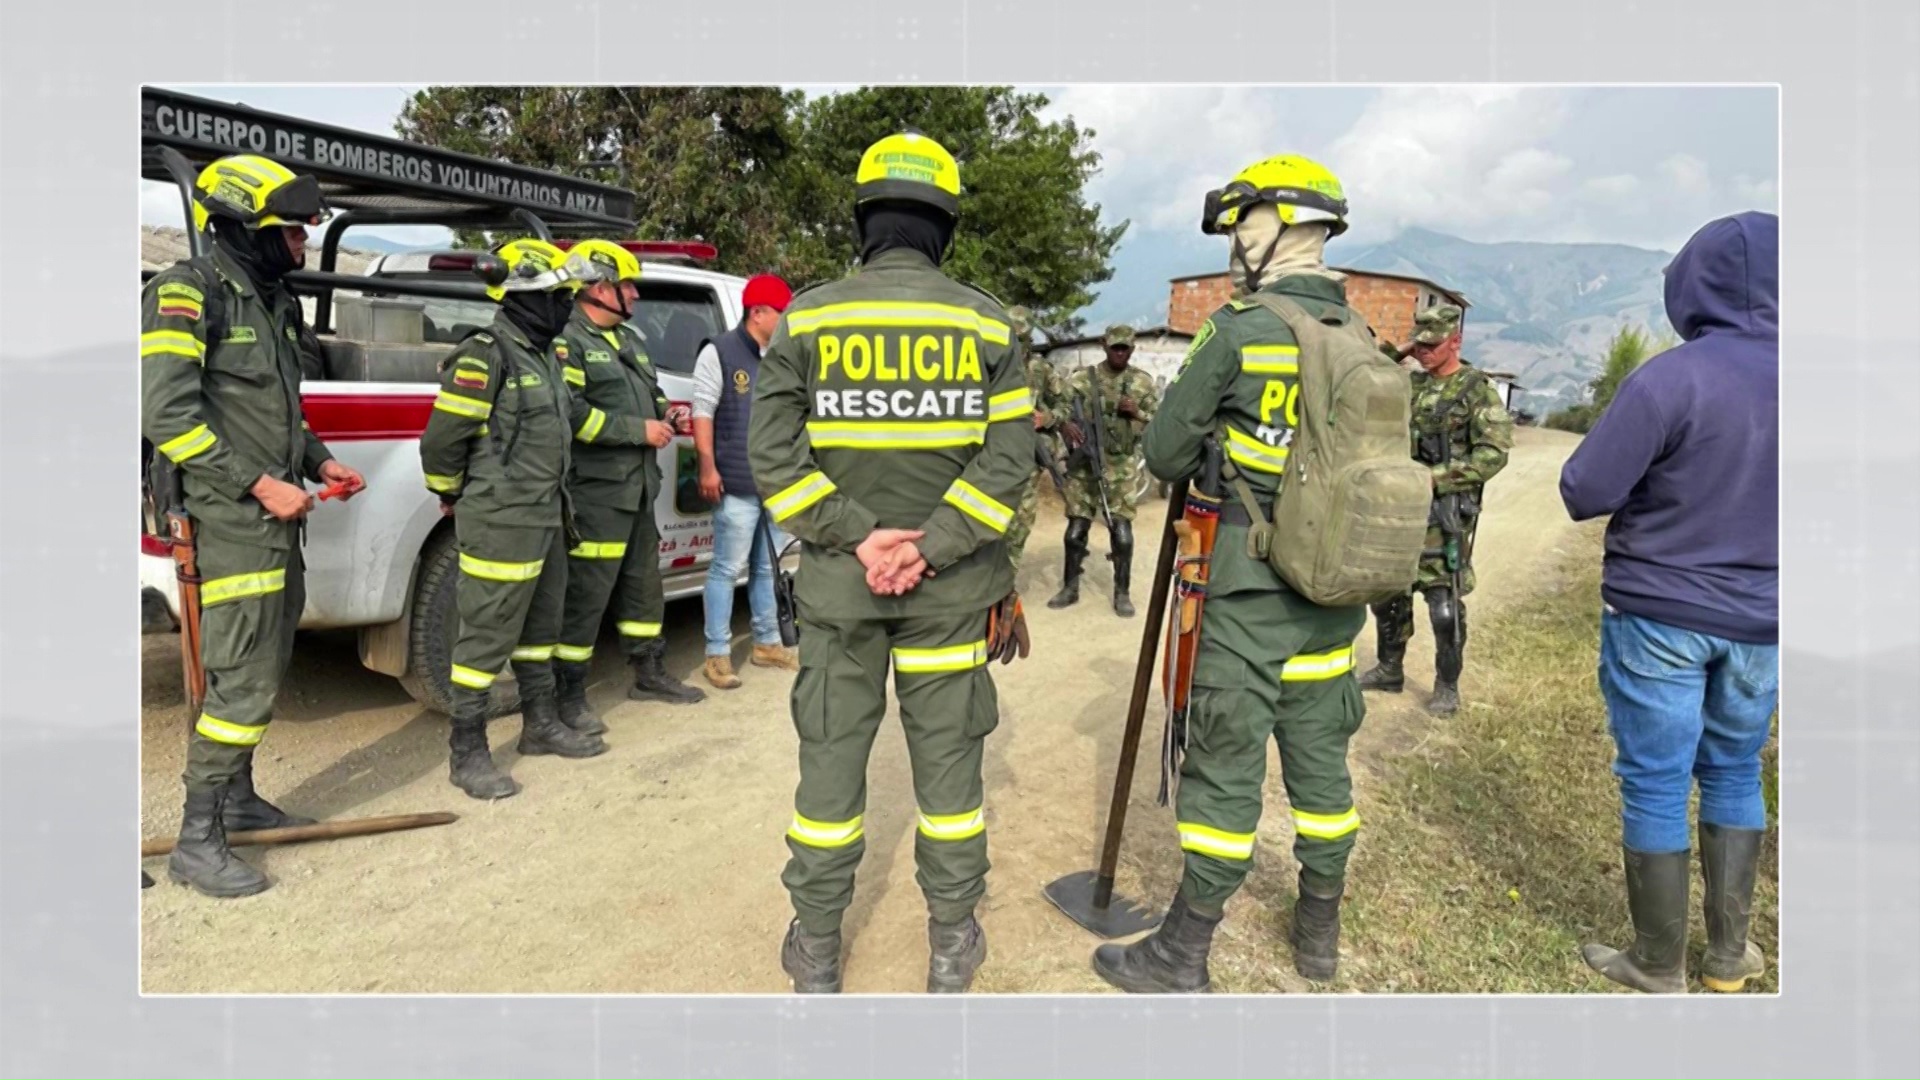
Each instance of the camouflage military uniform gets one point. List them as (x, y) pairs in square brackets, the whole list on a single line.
[(1462, 430), (1040, 383), (1120, 445)]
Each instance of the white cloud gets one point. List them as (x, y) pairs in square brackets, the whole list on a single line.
[(1618, 188), (1688, 175), (1756, 194)]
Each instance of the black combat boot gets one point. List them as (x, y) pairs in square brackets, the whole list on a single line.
[(1729, 858), (470, 765), (201, 859), (541, 731), (1069, 594), (1390, 649), (811, 960), (1449, 656), (1657, 898), (571, 678), (244, 810), (954, 952), (1316, 931), (1122, 540), (651, 681), (1171, 960)]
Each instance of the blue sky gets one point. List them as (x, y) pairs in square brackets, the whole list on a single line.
[(1639, 166)]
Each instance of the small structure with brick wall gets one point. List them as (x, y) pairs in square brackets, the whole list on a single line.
[(1387, 301)]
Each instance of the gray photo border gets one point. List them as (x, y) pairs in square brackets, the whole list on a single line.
[(69, 923)]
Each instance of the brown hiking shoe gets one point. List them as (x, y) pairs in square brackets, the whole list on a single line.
[(719, 671), (774, 656)]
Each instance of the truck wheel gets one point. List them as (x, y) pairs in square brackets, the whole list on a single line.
[(435, 621)]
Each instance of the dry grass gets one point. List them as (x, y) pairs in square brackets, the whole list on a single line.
[(1491, 849)]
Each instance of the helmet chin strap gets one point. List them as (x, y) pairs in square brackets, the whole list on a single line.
[(1255, 272), (623, 312)]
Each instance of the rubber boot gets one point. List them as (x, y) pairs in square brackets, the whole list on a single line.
[(954, 952), (201, 859), (1729, 858), (1122, 540), (1171, 960), (651, 681), (571, 679), (244, 809), (541, 732), (1316, 932), (1069, 594), (1657, 898), (811, 960), (470, 764), (1390, 649)]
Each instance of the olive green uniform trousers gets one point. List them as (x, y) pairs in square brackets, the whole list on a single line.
[(618, 560), (251, 598), (513, 587), (947, 706)]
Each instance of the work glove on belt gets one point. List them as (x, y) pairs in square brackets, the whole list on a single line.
[(1007, 630)]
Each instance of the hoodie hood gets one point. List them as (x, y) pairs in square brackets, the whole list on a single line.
[(1727, 278)]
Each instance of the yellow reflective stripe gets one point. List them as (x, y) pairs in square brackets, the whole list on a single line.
[(576, 654), (470, 678), (898, 313), (1010, 406), (1254, 454), (825, 834), (172, 343), (241, 586), (954, 826), (500, 571), (1207, 840), (979, 506), (1270, 359), (574, 376), (1326, 826), (533, 653), (790, 501), (221, 731), (639, 629), (192, 444), (589, 428), (463, 406), (445, 483), (945, 658), (600, 549), (927, 435), (1315, 667)]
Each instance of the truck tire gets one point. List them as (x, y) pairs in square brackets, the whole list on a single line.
[(435, 620)]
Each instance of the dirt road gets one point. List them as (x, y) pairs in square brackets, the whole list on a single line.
[(655, 867)]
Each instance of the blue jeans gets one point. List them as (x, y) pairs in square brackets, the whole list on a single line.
[(1684, 707), (737, 536)]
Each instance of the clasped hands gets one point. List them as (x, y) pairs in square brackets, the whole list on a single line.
[(894, 564)]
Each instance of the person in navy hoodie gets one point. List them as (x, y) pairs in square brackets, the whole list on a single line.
[(1686, 461)]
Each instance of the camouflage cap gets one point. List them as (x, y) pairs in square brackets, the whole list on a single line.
[(1436, 324), (1119, 335), (1021, 318)]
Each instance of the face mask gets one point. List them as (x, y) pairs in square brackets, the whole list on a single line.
[(889, 225), (541, 314), (263, 252)]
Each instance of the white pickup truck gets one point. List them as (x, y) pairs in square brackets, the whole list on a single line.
[(384, 562)]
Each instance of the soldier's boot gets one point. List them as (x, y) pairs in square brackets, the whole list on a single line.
[(243, 809), (541, 731), (1171, 960), (651, 681), (1728, 860), (1316, 932), (571, 680), (470, 764), (1449, 657), (1069, 594), (811, 960), (1656, 963), (1390, 648), (1122, 540), (201, 859), (954, 952)]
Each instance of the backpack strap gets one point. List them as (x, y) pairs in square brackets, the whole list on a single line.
[(213, 285)]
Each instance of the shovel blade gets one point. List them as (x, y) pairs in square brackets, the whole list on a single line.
[(1121, 917)]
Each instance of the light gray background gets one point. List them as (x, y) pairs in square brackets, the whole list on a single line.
[(1851, 183)]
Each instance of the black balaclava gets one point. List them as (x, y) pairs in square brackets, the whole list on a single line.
[(885, 226), (262, 252), (541, 314)]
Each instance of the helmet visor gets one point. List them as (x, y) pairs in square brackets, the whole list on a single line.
[(296, 202), (1225, 205)]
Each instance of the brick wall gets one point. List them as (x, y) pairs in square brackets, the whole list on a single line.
[(1388, 304), (1193, 301)]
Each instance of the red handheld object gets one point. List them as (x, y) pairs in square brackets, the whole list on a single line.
[(340, 489)]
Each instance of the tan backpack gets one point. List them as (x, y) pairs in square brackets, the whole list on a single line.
[(1350, 519)]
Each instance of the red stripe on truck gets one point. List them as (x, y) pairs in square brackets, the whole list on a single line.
[(684, 560), (365, 417)]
